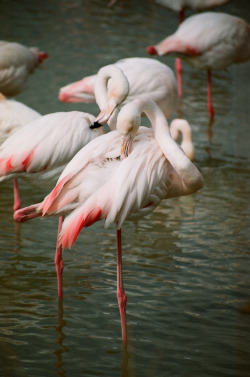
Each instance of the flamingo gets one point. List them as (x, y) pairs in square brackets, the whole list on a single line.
[(145, 76), (39, 151), (197, 5), (180, 6), (208, 41), (14, 114), (122, 175), (17, 62), (180, 128)]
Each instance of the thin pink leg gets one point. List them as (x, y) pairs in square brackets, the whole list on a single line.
[(178, 65), (181, 16), (121, 296), (178, 70), (17, 201), (209, 95), (59, 260)]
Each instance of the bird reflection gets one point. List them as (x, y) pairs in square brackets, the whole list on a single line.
[(59, 351)]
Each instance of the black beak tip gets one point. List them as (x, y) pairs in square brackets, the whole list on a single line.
[(95, 125)]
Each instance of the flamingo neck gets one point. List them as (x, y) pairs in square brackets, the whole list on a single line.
[(110, 82)]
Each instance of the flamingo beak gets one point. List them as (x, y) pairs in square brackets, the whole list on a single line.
[(95, 125), (106, 113), (126, 146)]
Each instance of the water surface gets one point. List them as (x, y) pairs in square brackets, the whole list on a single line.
[(186, 266)]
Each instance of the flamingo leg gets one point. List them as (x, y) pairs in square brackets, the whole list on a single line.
[(59, 260), (209, 95), (17, 201), (178, 65), (121, 296), (178, 70)]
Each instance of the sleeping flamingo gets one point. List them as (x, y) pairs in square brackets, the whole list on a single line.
[(180, 6), (208, 41), (17, 62), (145, 76), (122, 175), (14, 114), (39, 151)]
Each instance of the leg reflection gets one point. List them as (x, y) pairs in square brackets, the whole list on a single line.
[(59, 341)]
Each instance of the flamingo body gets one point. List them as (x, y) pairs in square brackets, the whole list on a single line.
[(40, 150), (198, 5), (208, 41), (17, 62), (145, 76), (14, 114), (98, 184)]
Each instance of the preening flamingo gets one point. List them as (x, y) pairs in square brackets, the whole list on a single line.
[(180, 129), (99, 183), (39, 151), (180, 6), (208, 41), (13, 115), (145, 76), (17, 62)]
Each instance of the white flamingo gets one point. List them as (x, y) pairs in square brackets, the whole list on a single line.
[(145, 76), (208, 41), (39, 151), (17, 62), (180, 6), (99, 183), (197, 5)]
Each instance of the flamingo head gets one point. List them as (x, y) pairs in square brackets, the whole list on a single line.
[(151, 50)]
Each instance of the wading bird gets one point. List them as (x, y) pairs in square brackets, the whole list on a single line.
[(208, 41), (17, 62), (122, 175), (39, 151), (145, 76)]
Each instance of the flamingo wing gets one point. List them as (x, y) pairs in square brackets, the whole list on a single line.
[(46, 143)]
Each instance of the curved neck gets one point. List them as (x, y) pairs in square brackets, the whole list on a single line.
[(181, 128), (156, 117), (110, 81)]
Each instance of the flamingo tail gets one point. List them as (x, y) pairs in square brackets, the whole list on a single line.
[(74, 223)]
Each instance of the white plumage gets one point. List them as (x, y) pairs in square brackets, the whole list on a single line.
[(98, 184), (13, 115), (145, 76), (17, 62), (208, 41)]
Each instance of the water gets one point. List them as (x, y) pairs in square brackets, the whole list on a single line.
[(186, 266)]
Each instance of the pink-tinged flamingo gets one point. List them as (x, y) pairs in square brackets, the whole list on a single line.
[(208, 41), (17, 62), (122, 175), (145, 76), (39, 151), (180, 6), (197, 5), (13, 115)]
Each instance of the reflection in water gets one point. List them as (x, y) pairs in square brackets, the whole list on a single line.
[(59, 351), (186, 266), (125, 359)]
